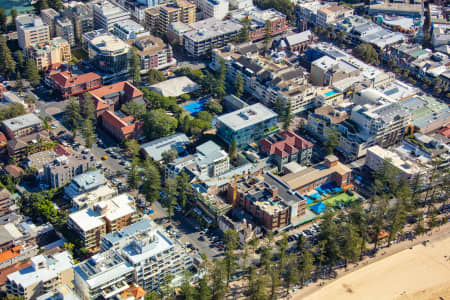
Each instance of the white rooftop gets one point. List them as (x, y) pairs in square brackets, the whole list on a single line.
[(175, 87), (210, 28), (23, 121), (247, 116)]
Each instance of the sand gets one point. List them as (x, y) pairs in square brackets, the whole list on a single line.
[(419, 273)]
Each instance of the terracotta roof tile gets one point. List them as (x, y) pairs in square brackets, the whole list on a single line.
[(11, 253), (66, 79)]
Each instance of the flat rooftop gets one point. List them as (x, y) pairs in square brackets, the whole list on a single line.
[(21, 122), (247, 116), (175, 87), (211, 28)]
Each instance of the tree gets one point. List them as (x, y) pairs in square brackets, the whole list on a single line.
[(218, 276), (87, 131), (287, 117), (184, 188), (267, 35), (3, 21), (239, 86), (221, 75), (213, 107), (137, 110), (87, 107), (13, 18), (55, 4), (132, 147), (72, 115), (135, 65), (158, 124), (203, 290), (305, 266), (40, 5), (20, 61), (232, 152), (332, 140), (152, 295), (292, 276), (169, 156), (351, 242), (278, 106), (152, 182), (133, 174), (155, 76), (243, 35), (205, 116), (367, 53), (7, 65), (32, 72)]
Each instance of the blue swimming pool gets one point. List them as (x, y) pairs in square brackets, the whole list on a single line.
[(196, 107), (331, 93)]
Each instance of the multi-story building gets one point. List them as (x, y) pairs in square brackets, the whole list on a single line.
[(46, 273), (55, 51), (329, 171), (246, 125), (82, 18), (49, 16), (153, 53), (31, 30), (286, 147), (68, 84), (208, 161), (267, 79), (129, 29), (213, 8), (108, 53), (176, 31), (140, 253), (273, 204), (157, 19), (440, 35), (106, 14), (5, 202), (87, 189), (65, 167), (259, 20), (21, 147), (91, 224), (241, 4), (300, 41), (22, 125), (330, 15), (209, 34), (326, 71), (64, 28)]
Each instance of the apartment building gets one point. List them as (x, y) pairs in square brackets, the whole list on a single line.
[(21, 147), (213, 8), (65, 167), (87, 189), (106, 14), (209, 34), (246, 125), (91, 224), (54, 51), (46, 273), (129, 29), (329, 171), (209, 160), (64, 28), (259, 19), (153, 53), (176, 31), (31, 30), (68, 84), (325, 71), (157, 19), (330, 15), (285, 80), (49, 16), (5, 202), (82, 18), (22, 125), (273, 205), (140, 254), (286, 147), (108, 53)]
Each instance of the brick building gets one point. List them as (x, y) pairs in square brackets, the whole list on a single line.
[(68, 84)]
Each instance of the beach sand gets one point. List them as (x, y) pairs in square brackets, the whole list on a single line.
[(419, 273)]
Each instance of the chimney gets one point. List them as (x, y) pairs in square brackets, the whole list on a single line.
[(331, 160)]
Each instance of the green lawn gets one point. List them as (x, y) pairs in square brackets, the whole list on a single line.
[(342, 197)]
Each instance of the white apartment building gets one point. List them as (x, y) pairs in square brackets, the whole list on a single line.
[(129, 29), (64, 28), (107, 14), (31, 30), (213, 8), (46, 273), (140, 253), (330, 15)]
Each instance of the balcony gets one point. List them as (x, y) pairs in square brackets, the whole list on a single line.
[(114, 289)]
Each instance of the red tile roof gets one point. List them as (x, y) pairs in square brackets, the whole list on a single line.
[(130, 90), (14, 171), (289, 143), (11, 269), (123, 124), (66, 79), (11, 253), (445, 131), (62, 150)]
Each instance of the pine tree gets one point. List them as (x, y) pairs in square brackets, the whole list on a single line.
[(287, 117), (3, 21), (55, 4), (306, 266), (7, 65), (239, 86), (87, 107), (32, 72), (20, 62), (133, 174), (40, 5), (152, 182), (87, 132), (232, 152), (268, 34), (135, 66), (13, 18), (72, 115)]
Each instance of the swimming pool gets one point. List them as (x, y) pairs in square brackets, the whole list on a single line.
[(196, 107), (331, 93)]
